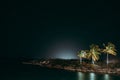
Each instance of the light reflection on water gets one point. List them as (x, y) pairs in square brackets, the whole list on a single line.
[(80, 76), (92, 76), (106, 77)]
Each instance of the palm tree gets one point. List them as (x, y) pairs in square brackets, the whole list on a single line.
[(94, 53), (82, 54), (109, 49)]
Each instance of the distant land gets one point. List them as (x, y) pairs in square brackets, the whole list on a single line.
[(74, 65)]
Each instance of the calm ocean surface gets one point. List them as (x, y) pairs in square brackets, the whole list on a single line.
[(30, 72)]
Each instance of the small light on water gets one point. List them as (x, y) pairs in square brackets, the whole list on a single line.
[(80, 76), (106, 77), (92, 76)]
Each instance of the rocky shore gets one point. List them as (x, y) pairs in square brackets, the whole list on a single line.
[(85, 67)]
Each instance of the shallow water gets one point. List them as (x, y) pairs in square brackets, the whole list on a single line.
[(31, 72)]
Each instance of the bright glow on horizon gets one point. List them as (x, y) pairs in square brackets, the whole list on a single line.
[(64, 49), (65, 54)]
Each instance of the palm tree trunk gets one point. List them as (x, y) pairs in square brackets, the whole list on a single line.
[(107, 62), (93, 61), (80, 60)]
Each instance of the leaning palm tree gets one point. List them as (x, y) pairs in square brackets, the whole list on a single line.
[(82, 54), (94, 53), (109, 49)]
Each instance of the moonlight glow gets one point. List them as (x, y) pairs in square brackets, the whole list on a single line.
[(65, 54), (63, 50)]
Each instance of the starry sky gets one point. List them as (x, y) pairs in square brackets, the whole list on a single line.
[(59, 29)]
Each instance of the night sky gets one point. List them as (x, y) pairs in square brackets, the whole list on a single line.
[(59, 29)]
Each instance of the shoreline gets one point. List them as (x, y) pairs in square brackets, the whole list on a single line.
[(115, 71)]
